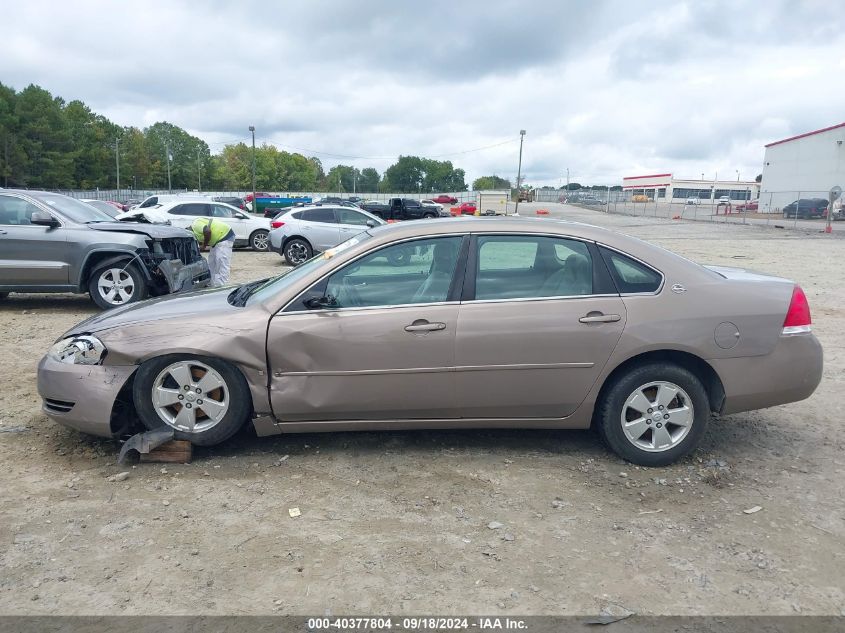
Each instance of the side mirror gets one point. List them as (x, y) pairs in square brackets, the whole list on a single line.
[(371, 223), (241, 216), (42, 218), (317, 303)]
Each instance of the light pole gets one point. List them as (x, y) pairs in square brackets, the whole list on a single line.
[(737, 175), (519, 173), (254, 201), (167, 151), (117, 162)]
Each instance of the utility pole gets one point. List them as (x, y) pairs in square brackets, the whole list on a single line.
[(567, 178), (254, 201), (354, 181), (117, 162), (199, 171), (519, 173)]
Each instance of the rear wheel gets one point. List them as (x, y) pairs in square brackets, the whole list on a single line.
[(260, 240), (116, 285), (654, 414), (298, 251), (429, 216), (204, 400)]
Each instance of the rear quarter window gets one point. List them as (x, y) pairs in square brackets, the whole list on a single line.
[(629, 275)]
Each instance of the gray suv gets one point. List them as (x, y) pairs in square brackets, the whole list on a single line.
[(53, 243)]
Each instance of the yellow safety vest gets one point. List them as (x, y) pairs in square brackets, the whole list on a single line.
[(219, 230)]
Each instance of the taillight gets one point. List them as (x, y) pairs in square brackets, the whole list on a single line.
[(797, 318), (276, 224)]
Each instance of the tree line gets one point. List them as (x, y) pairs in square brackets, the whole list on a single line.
[(48, 143)]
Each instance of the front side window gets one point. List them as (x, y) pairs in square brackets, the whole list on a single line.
[(15, 211), (218, 211), (348, 216), (530, 267), (411, 272)]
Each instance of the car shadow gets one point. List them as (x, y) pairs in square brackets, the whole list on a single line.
[(63, 302)]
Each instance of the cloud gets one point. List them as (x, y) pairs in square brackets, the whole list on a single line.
[(605, 88)]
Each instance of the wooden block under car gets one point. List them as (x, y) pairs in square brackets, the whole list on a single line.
[(174, 451)]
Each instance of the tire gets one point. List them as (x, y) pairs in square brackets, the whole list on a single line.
[(131, 285), (260, 240), (163, 386), (648, 381), (297, 251), (429, 216)]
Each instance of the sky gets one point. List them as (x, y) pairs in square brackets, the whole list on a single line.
[(603, 88)]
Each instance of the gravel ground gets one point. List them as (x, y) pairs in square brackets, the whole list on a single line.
[(528, 522)]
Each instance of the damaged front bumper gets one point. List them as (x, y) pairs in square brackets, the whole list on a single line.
[(185, 277), (81, 397)]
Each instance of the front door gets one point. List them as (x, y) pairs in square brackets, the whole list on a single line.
[(320, 228), (30, 254), (383, 350), (533, 335), (350, 222)]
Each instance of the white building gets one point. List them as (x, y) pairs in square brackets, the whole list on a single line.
[(803, 166), (667, 188)]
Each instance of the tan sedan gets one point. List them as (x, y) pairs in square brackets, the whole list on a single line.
[(470, 323)]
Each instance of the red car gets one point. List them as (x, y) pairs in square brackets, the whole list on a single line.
[(258, 194), (465, 208), (444, 199), (751, 205)]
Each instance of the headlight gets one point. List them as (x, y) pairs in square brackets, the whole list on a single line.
[(79, 350)]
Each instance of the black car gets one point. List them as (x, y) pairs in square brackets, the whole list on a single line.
[(806, 208), (235, 202)]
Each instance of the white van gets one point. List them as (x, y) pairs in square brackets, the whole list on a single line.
[(160, 198)]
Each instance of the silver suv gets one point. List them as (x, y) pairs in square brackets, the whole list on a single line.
[(53, 243)]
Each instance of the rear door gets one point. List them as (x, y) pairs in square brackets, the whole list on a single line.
[(384, 350), (30, 254), (539, 320), (320, 228)]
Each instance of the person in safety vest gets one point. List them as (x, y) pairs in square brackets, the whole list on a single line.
[(220, 238)]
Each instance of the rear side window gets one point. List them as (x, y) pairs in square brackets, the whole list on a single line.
[(319, 215), (190, 209), (629, 275)]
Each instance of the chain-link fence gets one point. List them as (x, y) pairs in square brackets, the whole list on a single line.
[(806, 210)]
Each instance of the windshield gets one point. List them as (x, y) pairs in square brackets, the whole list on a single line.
[(105, 207), (71, 208), (289, 277)]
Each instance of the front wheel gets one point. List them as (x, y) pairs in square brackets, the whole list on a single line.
[(204, 400), (116, 285), (260, 240), (297, 251), (429, 216), (653, 414)]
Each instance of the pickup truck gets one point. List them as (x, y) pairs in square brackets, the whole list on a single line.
[(403, 209)]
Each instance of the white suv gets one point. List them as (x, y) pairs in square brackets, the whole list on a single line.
[(249, 230), (299, 233)]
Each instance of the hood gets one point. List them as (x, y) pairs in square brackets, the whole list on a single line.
[(190, 305), (155, 231)]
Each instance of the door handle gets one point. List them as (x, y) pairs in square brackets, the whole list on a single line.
[(424, 326), (598, 317), (2, 232)]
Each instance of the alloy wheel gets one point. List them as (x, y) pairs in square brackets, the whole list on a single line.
[(190, 396), (657, 416), (116, 286)]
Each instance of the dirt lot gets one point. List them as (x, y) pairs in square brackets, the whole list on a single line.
[(398, 522)]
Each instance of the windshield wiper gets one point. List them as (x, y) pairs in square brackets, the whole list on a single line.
[(240, 294)]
